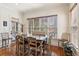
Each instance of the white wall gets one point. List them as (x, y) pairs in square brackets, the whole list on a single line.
[(6, 14), (61, 11), (74, 34)]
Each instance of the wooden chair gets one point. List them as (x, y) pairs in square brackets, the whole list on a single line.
[(5, 41), (39, 47), (66, 36), (26, 46), (32, 46), (22, 47), (19, 45), (45, 48)]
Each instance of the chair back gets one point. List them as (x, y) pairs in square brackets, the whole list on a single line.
[(66, 36), (32, 42), (5, 35)]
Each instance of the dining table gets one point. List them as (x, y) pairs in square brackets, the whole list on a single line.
[(39, 37)]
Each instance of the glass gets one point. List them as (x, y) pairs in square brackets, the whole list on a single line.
[(30, 26), (43, 24), (36, 24)]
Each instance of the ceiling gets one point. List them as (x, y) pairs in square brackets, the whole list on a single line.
[(29, 6)]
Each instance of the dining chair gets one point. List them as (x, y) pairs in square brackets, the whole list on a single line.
[(39, 47), (5, 41), (32, 46)]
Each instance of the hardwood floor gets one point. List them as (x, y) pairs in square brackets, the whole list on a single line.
[(12, 51), (58, 50)]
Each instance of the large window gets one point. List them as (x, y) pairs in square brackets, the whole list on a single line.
[(47, 24)]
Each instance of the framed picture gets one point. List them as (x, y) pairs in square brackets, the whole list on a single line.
[(4, 23)]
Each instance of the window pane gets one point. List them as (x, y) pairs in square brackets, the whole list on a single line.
[(44, 24), (36, 24), (30, 26)]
